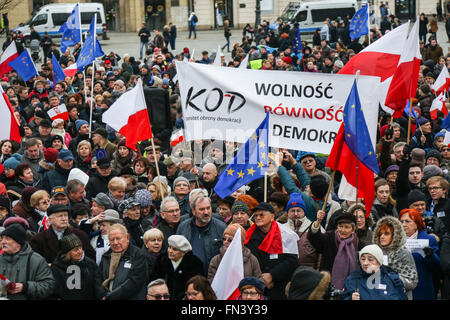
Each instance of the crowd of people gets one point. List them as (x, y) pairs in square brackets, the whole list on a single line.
[(83, 216)]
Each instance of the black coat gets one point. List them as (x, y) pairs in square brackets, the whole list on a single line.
[(167, 232), (281, 268), (90, 286), (130, 276), (176, 279), (47, 244), (136, 229), (96, 184), (442, 210)]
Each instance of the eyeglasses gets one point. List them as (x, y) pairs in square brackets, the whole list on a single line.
[(445, 150), (307, 161), (227, 239), (160, 296), (249, 293), (434, 188), (182, 185), (172, 211)]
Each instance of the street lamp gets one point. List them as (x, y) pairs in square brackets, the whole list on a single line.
[(258, 13)]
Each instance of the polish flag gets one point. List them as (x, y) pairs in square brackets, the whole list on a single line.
[(438, 105), (442, 82), (404, 82), (230, 271), (380, 59), (8, 55), (129, 116), (71, 70), (45, 223), (9, 128), (176, 137), (58, 112)]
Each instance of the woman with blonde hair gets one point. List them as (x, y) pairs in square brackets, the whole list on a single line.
[(116, 191), (84, 156), (153, 246), (40, 201), (155, 191)]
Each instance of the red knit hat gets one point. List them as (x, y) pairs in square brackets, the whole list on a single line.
[(50, 155), (288, 60), (383, 130)]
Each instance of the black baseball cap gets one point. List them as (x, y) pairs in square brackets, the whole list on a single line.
[(58, 190)]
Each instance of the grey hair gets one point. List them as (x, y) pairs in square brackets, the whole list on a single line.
[(197, 199), (196, 192), (399, 144), (156, 282), (166, 200)]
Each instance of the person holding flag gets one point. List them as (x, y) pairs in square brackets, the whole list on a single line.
[(91, 48), (71, 29)]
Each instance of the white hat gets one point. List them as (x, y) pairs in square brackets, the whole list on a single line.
[(179, 242), (374, 250), (76, 173)]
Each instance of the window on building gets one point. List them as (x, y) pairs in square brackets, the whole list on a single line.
[(175, 3)]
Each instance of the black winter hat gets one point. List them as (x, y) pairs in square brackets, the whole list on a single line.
[(416, 195), (5, 202), (69, 242), (319, 186), (252, 281), (308, 284), (16, 232), (264, 206), (435, 154), (102, 132), (55, 208)]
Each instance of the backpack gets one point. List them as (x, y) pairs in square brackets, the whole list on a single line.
[(195, 18)]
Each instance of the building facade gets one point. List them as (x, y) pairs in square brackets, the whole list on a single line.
[(128, 15)]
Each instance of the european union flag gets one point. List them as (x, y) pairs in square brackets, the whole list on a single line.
[(58, 73), (71, 29), (359, 25), (24, 66), (357, 135), (298, 46), (91, 48), (406, 111), (250, 163), (268, 49), (446, 123)]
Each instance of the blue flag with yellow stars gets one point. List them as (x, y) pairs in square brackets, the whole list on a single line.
[(91, 48), (298, 46), (359, 25), (250, 162), (71, 29), (24, 66), (58, 73), (357, 135)]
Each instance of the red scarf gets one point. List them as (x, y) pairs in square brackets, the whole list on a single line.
[(272, 243)]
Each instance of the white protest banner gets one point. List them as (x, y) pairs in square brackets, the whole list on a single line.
[(417, 245), (306, 109)]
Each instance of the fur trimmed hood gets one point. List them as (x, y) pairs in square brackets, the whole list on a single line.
[(46, 165), (398, 238)]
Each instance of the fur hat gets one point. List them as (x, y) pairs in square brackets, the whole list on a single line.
[(431, 170), (308, 284), (398, 236), (240, 206), (69, 242), (16, 220), (374, 250), (416, 195), (16, 232), (179, 242), (296, 200), (103, 200), (144, 197)]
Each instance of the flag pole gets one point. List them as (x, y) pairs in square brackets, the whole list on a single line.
[(93, 67), (357, 168), (79, 17), (330, 185), (265, 186), (409, 121), (193, 162), (157, 167), (368, 21)]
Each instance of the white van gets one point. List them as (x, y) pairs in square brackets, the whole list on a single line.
[(311, 14), (51, 17)]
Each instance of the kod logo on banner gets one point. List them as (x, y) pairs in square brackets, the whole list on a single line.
[(213, 99)]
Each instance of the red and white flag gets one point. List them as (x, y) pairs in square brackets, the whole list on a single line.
[(438, 105), (380, 59), (58, 112), (8, 55), (129, 116), (71, 70), (176, 137), (404, 82), (45, 223), (230, 271), (442, 82), (9, 128)]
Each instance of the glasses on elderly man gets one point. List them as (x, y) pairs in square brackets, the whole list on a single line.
[(160, 296)]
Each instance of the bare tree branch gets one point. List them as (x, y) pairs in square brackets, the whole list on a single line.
[(6, 5)]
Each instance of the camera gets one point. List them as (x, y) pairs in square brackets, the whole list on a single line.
[(332, 293), (388, 133), (429, 224)]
